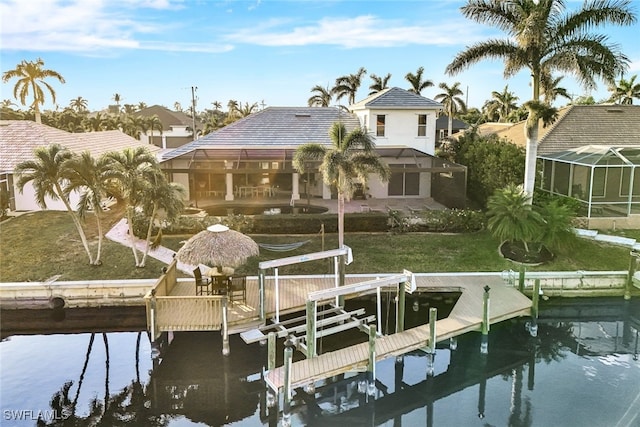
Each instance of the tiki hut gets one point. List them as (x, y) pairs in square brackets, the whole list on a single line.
[(218, 246)]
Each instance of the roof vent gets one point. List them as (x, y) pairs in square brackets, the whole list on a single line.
[(614, 110), (303, 115)]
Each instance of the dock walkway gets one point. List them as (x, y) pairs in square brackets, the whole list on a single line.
[(466, 316)]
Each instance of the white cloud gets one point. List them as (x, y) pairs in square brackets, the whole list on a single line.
[(87, 26), (361, 31)]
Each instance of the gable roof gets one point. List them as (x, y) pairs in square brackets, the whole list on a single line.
[(581, 125), (398, 99), (19, 139), (167, 117), (276, 127)]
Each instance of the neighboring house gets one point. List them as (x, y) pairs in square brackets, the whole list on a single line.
[(256, 152), (591, 153), (442, 127), (176, 127), (19, 139)]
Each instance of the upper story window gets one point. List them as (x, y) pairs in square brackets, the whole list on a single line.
[(380, 122), (422, 125)]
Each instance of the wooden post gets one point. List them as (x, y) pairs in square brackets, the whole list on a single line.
[(225, 327), (484, 345), (312, 307), (341, 274), (535, 298), (261, 294), (521, 279), (371, 367), (433, 318), (152, 316), (288, 356), (633, 262), (400, 307), (271, 351)]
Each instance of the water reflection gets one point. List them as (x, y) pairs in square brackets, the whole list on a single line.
[(573, 373)]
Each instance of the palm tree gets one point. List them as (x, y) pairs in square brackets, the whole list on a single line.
[(99, 122), (48, 175), (417, 84), (177, 106), (160, 195), (550, 88), (379, 83), (154, 123), (117, 98), (625, 91), (217, 105), (348, 85), (349, 161), (321, 97), (31, 75), (502, 104), (511, 216), (134, 126), (79, 104), (88, 176), (141, 105), (128, 169), (542, 35), (451, 101), (246, 109)]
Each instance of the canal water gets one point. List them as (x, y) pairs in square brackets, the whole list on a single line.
[(581, 369)]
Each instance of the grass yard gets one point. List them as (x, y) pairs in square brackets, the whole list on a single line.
[(36, 246)]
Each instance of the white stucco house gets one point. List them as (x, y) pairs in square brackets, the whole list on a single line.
[(256, 152)]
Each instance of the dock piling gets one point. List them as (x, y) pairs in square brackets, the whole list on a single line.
[(633, 263), (288, 357), (225, 327), (271, 351), (484, 345), (371, 367), (433, 318)]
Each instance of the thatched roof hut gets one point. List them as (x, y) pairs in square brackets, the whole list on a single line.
[(218, 246)]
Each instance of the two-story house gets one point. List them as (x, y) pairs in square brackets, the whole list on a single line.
[(176, 127), (253, 156)]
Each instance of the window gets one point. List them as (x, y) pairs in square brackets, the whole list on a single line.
[(380, 122), (404, 183), (625, 180), (422, 125)]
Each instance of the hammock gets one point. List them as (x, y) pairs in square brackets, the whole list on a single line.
[(284, 247)]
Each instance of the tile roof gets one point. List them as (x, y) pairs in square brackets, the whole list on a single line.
[(577, 126), (275, 127), (167, 117), (396, 98), (19, 138), (608, 125)]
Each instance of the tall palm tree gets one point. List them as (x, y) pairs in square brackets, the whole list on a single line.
[(379, 83), (99, 122), (79, 104), (217, 105), (128, 169), (542, 35), (451, 101), (417, 84), (160, 195), (348, 85), (48, 175), (321, 96), (625, 91), (153, 123), (349, 160), (134, 125), (502, 103), (141, 105), (117, 98), (31, 75), (87, 176)]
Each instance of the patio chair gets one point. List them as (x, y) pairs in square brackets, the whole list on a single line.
[(202, 283), (219, 284), (238, 289)]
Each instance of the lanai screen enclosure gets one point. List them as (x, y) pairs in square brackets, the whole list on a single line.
[(604, 178)]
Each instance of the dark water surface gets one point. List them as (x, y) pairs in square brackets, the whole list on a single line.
[(581, 370)]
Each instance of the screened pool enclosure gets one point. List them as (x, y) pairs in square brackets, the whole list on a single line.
[(604, 178)]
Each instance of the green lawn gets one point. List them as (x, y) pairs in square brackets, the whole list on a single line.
[(36, 246)]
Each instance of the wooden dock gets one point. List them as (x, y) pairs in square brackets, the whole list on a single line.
[(505, 303)]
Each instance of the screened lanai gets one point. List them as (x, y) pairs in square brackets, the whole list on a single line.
[(604, 179)]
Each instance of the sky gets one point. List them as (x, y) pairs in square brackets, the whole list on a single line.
[(271, 52)]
